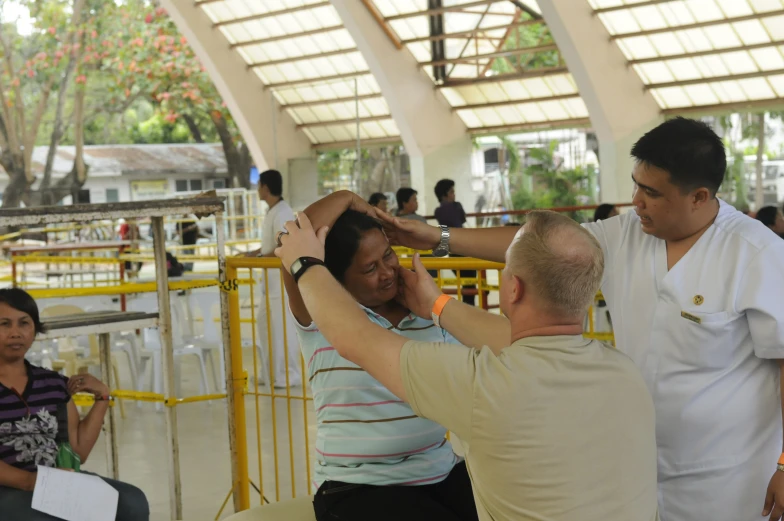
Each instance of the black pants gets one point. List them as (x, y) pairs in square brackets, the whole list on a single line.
[(449, 500)]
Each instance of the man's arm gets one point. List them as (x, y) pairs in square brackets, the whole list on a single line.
[(439, 379), (485, 243), (348, 329), (475, 327), (757, 298), (471, 326)]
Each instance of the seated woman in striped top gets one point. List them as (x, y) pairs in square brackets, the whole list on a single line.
[(375, 459), (39, 423)]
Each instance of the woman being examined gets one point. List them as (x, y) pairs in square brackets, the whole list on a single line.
[(375, 459), (38, 418)]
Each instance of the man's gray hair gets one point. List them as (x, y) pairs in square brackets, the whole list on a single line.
[(559, 260)]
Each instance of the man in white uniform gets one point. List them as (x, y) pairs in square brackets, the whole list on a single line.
[(271, 192), (694, 289)]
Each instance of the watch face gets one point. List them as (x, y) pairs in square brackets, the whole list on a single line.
[(296, 266)]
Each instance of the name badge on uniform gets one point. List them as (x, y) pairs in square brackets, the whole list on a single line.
[(689, 316)]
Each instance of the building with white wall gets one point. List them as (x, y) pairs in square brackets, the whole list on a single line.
[(119, 173)]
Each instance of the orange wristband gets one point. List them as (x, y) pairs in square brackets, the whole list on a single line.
[(781, 459), (438, 308)]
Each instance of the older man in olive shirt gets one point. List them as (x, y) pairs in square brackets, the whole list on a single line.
[(555, 426)]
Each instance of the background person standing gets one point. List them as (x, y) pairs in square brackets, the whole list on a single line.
[(450, 213), (279, 212)]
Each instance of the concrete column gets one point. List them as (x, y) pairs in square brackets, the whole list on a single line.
[(621, 110), (435, 137), (271, 134)]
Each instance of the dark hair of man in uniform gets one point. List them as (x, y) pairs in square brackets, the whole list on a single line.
[(403, 195), (376, 198), (21, 300), (689, 150), (343, 241), (443, 187), (272, 180), (603, 212), (767, 215)]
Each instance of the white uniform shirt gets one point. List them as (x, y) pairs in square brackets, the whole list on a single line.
[(703, 335), (274, 222)]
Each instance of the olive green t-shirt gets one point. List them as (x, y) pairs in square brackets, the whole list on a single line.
[(554, 428)]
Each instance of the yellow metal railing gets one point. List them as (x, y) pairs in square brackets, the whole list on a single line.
[(250, 400), (283, 450)]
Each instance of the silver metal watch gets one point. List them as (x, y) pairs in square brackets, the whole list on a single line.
[(443, 247)]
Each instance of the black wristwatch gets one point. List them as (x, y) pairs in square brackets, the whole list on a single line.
[(301, 265)]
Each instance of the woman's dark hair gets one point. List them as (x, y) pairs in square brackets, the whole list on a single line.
[(688, 150), (443, 187), (404, 195), (343, 240), (376, 198), (767, 215), (603, 212), (21, 300)]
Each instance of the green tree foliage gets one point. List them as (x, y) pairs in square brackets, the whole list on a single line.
[(90, 71), (545, 183)]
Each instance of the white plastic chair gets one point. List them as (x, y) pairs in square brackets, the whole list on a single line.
[(300, 509), (211, 337), (152, 347)]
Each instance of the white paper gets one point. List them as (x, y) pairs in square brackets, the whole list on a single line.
[(73, 496)]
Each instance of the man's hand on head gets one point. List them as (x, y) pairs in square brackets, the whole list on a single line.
[(409, 233), (417, 290), (300, 240)]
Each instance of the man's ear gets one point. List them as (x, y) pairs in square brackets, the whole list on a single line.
[(517, 291), (700, 196)]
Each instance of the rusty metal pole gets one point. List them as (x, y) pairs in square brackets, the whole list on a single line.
[(105, 353), (167, 350), (235, 381)]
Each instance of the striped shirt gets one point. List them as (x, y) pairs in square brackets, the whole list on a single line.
[(29, 421), (366, 434)]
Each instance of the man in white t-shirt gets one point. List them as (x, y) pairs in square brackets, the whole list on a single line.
[(271, 192)]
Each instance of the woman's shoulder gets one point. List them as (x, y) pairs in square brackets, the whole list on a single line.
[(41, 373)]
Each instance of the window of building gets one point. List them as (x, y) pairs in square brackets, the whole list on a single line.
[(188, 185), (83, 196), (112, 195), (218, 184)]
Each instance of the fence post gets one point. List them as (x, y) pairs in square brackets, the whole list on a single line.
[(235, 385)]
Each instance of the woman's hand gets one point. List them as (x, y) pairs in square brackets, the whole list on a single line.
[(417, 290), (410, 233), (87, 383), (300, 240)]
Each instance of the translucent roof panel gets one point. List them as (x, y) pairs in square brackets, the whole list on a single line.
[(697, 53), (301, 52), (499, 65), (493, 60)]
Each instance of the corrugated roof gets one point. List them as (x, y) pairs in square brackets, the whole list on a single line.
[(115, 160)]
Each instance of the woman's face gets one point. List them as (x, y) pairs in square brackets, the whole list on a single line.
[(382, 205), (372, 277), (17, 333)]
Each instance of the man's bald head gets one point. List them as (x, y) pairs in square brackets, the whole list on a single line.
[(559, 261)]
